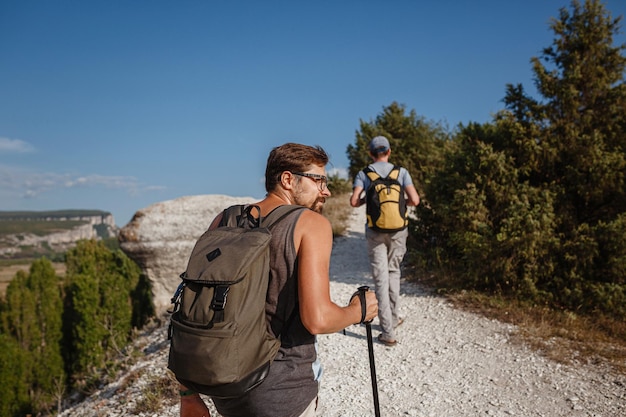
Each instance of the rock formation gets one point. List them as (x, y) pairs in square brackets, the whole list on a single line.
[(160, 238)]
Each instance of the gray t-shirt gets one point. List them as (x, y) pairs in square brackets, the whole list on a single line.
[(383, 169)]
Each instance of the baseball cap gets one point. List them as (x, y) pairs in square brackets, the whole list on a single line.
[(379, 144)]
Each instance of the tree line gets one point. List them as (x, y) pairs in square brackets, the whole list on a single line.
[(532, 204), (58, 335)]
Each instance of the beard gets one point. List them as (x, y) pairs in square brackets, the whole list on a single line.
[(316, 205)]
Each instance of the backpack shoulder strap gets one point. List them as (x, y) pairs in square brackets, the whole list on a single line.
[(278, 214), (394, 173), (371, 174), (239, 214), (232, 215)]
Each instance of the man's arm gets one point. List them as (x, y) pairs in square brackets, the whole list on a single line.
[(193, 406), (313, 240), (355, 198), (413, 198)]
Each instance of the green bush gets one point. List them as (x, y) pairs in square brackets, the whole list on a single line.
[(14, 397), (533, 205), (100, 285), (31, 320), (52, 327)]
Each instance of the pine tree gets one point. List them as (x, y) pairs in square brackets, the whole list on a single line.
[(417, 144), (579, 152), (14, 397), (584, 145), (535, 203), (32, 321), (99, 313), (47, 363)]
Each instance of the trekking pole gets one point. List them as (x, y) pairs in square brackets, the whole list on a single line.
[(370, 348)]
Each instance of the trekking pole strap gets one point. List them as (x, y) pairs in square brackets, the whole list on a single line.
[(360, 292)]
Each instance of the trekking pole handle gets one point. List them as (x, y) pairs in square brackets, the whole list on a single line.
[(360, 292)]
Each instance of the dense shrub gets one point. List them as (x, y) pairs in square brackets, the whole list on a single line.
[(50, 328), (533, 204), (99, 305), (31, 322)]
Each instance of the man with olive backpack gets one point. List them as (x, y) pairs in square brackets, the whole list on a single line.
[(388, 191), (297, 304)]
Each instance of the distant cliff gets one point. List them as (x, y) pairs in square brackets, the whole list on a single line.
[(35, 233)]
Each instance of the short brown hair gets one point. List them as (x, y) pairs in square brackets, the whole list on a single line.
[(292, 157)]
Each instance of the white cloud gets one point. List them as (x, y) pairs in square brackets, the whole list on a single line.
[(30, 184), (100, 180), (8, 145)]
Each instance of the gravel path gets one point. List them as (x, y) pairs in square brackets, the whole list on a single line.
[(447, 363)]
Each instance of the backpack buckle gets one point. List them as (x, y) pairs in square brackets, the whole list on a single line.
[(176, 298), (219, 297)]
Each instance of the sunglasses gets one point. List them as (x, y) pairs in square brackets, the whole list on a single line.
[(321, 180)]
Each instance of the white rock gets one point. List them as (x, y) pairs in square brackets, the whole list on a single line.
[(160, 238)]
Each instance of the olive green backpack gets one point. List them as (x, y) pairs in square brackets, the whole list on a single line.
[(220, 344)]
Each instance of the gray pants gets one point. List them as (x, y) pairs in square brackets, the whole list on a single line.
[(386, 251)]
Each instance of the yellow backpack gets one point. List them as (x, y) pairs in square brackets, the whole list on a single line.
[(386, 204)]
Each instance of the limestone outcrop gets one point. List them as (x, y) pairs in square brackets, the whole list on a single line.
[(160, 237)]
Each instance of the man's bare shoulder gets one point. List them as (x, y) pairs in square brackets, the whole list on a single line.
[(310, 218)]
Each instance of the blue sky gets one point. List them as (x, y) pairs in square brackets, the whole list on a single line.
[(116, 105)]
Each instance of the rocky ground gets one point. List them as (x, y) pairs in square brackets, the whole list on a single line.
[(447, 363)]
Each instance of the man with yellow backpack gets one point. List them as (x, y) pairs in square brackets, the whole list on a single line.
[(388, 191)]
